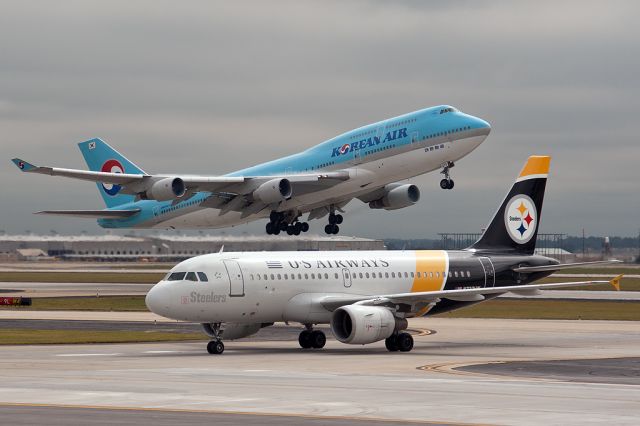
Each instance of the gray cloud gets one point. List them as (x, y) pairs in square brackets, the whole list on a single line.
[(211, 87)]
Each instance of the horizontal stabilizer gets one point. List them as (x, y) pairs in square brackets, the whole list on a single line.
[(93, 214), (526, 269)]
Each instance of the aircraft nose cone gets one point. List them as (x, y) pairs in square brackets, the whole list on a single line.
[(156, 300), (484, 126)]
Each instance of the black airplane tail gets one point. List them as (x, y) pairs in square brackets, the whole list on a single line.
[(514, 227)]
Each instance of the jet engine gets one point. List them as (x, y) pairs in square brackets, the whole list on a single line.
[(273, 191), (397, 196), (359, 325), (165, 189)]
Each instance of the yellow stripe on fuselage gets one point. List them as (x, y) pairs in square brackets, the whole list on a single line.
[(431, 270)]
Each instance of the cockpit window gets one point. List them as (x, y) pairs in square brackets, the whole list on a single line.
[(191, 276), (446, 110), (202, 276), (176, 276)]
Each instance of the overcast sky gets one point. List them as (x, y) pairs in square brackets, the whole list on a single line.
[(210, 87)]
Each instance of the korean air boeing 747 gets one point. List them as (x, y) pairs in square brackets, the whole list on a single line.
[(368, 163)]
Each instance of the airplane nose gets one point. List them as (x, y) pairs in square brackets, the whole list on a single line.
[(482, 125), (156, 299)]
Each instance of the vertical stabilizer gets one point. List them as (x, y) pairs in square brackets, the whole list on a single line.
[(514, 227), (101, 157)]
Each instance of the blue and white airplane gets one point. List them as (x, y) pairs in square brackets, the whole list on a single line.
[(367, 163)]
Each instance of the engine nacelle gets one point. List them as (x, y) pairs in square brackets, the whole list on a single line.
[(165, 189), (273, 191), (396, 197), (359, 325)]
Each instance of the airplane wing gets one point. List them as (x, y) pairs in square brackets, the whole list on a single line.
[(466, 295), (560, 266), (226, 186)]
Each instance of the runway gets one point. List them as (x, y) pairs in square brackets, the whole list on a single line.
[(273, 376)]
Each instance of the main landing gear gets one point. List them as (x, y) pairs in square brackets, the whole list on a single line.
[(334, 221), (278, 223), (215, 347), (447, 182), (402, 342), (310, 338)]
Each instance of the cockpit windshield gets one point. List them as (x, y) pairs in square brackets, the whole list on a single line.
[(176, 276), (446, 110), (188, 276)]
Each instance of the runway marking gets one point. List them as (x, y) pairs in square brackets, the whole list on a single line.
[(111, 354), (244, 413), (422, 331)]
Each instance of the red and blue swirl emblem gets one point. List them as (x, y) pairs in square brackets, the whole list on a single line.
[(344, 149), (112, 166)]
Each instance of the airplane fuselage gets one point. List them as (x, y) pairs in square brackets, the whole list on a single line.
[(373, 156), (266, 287)]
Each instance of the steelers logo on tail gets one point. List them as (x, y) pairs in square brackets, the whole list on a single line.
[(112, 166), (521, 218)]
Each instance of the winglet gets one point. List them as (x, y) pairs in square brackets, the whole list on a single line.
[(615, 282), (23, 165)]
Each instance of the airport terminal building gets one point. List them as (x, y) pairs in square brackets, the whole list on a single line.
[(164, 247)]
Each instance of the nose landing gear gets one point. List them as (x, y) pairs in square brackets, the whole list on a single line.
[(447, 182), (215, 346)]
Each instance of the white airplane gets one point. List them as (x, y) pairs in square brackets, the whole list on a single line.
[(367, 163), (366, 296)]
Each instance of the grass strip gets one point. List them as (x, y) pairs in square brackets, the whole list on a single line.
[(103, 303), (550, 309), (82, 277), (18, 336)]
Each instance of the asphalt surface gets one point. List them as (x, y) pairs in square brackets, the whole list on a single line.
[(349, 382), (51, 415), (613, 370)]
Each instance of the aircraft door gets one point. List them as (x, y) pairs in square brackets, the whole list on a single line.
[(346, 277), (236, 280), (415, 137), (489, 271)]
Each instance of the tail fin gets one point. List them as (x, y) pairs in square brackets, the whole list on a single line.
[(514, 227), (102, 157)]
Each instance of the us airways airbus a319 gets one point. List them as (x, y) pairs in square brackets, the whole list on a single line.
[(367, 163), (366, 296)]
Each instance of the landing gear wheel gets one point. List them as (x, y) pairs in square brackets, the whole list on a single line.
[(318, 339), (391, 343), (450, 184), (215, 347), (444, 184), (336, 229), (405, 342), (328, 229), (283, 226), (304, 339), (339, 219), (304, 227), (333, 219), (290, 230), (269, 228)]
